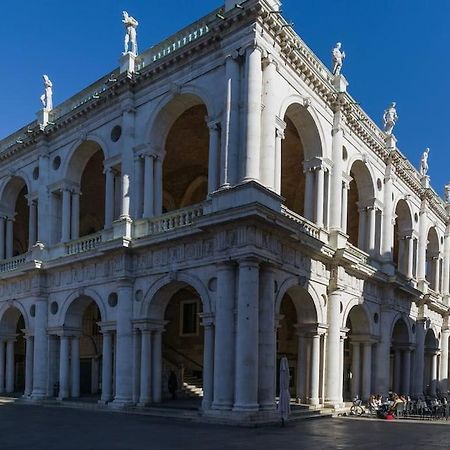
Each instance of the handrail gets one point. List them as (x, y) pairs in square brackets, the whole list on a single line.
[(187, 358), (13, 263)]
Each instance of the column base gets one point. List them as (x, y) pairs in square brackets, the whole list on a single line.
[(103, 402), (38, 396), (120, 403), (250, 407), (267, 407), (222, 406), (143, 403), (314, 401)]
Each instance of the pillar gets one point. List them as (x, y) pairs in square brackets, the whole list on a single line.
[(224, 338), (28, 366), (406, 372), (10, 366), (2, 365), (309, 194), (372, 229), (443, 370), (64, 374), (398, 370), (433, 382), (279, 136), (437, 273), (208, 363), (410, 251), (446, 263), (423, 240), (158, 183), (9, 238), (137, 355), (32, 225), (125, 209), (337, 142), (107, 367), (109, 198), (315, 370), (246, 387), (124, 346), (320, 200), (420, 357), (41, 354), (388, 229), (146, 366), (382, 354), (345, 188), (333, 374), (355, 383), (362, 230), (65, 236), (301, 363), (75, 367), (2, 237), (149, 186), (253, 90), (157, 366), (75, 215), (213, 156), (366, 381)]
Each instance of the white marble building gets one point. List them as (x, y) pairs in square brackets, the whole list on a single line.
[(218, 201)]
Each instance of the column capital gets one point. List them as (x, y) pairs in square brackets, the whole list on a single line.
[(250, 261), (208, 319), (212, 124)]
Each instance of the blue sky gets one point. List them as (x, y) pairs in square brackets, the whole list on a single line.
[(396, 50)]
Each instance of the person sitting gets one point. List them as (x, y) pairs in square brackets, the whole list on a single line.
[(373, 405)]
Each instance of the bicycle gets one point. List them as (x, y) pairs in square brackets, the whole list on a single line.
[(357, 409)]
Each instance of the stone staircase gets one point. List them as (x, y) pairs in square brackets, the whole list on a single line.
[(192, 385)]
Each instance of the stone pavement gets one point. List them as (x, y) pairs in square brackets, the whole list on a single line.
[(48, 428)]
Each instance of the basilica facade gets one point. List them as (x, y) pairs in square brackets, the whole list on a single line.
[(217, 202)]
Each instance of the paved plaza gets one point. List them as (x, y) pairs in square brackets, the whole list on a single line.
[(34, 427)]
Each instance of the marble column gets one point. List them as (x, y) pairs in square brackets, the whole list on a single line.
[(420, 358), (372, 229), (388, 229), (366, 380), (433, 382), (345, 188), (10, 365), (253, 90), (9, 237), (64, 367), (157, 366), (32, 224), (137, 356), (2, 365), (446, 263), (107, 367), (362, 230), (410, 251), (246, 387), (146, 368), (41, 353), (66, 216), (397, 370), (320, 200), (341, 368), (158, 186), (437, 273), (309, 194), (75, 215), (28, 366), (382, 364), (75, 367), (149, 185), (423, 240), (125, 203), (208, 362), (355, 383), (279, 136), (406, 387), (443, 370), (213, 156), (2, 237), (139, 188), (224, 338), (109, 198), (301, 363), (315, 370), (337, 143)]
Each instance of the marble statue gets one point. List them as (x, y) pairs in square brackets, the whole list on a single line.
[(338, 59), (447, 193), (130, 37), (424, 162), (390, 117), (47, 96)]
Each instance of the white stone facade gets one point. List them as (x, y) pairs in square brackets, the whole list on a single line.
[(140, 237)]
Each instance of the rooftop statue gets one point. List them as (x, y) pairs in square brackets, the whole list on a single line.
[(390, 117), (424, 162), (47, 96), (447, 193), (130, 37), (338, 59)]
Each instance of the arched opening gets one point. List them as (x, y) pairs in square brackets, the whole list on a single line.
[(81, 350), (400, 359), (16, 228), (13, 353), (303, 180), (405, 244), (185, 167), (357, 376), (433, 260), (431, 366), (300, 340), (362, 218)]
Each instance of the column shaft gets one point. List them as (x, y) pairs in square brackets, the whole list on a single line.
[(315, 370), (64, 373), (2, 365), (410, 251), (157, 366), (32, 225), (75, 367), (158, 201), (146, 367), (9, 238), (320, 200), (372, 230), (355, 383), (279, 136), (75, 215), (139, 187), (66, 216), (309, 194), (433, 381), (213, 157), (41, 354), (446, 264), (10, 366), (406, 372), (208, 366), (109, 198), (362, 230), (107, 367), (336, 175), (2, 237), (398, 371), (366, 371), (420, 357), (443, 370), (387, 235), (301, 363), (149, 189), (423, 239), (28, 366), (333, 373), (344, 207)]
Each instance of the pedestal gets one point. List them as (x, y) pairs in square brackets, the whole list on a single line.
[(127, 63), (340, 83)]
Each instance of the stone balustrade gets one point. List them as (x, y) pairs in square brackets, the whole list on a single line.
[(306, 226), (13, 263), (84, 244)]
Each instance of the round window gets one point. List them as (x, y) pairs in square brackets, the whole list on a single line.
[(35, 173), (56, 162), (116, 132), (54, 308)]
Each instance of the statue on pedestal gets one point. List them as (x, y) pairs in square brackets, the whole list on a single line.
[(424, 163), (338, 59), (447, 193), (390, 118), (47, 97), (130, 37)]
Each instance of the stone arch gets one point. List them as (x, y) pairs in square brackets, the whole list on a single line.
[(403, 250), (402, 328), (190, 191), (11, 311), (433, 259), (358, 307)]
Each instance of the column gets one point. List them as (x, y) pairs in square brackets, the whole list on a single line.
[(124, 346), (341, 368), (355, 383), (2, 237), (208, 362), (446, 263), (224, 344), (344, 206), (301, 363), (125, 210), (158, 186), (366, 371), (75, 215), (75, 367), (41, 353), (149, 183), (362, 230), (32, 225), (433, 382), (28, 366), (253, 113), (320, 201), (406, 372), (333, 374), (398, 370), (279, 136), (213, 156), (372, 229), (420, 357), (65, 235), (107, 367), (64, 373), (9, 238), (229, 157), (443, 369), (423, 240), (137, 355), (10, 366), (246, 387), (157, 366), (267, 340), (109, 198), (437, 273), (410, 251), (315, 370), (336, 175), (139, 188), (382, 356), (309, 194), (388, 229), (146, 366), (2, 365)]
